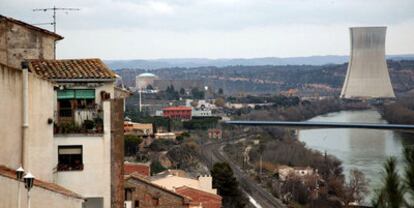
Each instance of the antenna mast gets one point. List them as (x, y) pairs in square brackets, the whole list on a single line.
[(54, 9)]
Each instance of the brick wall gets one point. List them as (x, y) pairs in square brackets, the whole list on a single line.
[(117, 153)]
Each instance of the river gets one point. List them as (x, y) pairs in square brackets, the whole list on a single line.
[(363, 149)]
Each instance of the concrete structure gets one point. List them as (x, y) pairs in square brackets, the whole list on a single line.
[(144, 79), (367, 75)]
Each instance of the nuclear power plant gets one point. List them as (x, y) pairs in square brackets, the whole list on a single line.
[(367, 76)]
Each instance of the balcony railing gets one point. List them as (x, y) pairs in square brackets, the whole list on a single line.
[(81, 121)]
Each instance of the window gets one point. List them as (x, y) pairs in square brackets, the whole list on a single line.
[(70, 158)]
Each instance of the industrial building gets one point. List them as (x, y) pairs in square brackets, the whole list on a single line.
[(367, 76)]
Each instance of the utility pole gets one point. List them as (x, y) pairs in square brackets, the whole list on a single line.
[(54, 9)]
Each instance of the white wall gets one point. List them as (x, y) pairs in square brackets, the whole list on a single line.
[(39, 132), (94, 180), (40, 197)]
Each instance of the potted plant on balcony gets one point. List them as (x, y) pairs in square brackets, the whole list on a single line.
[(89, 125), (99, 124)]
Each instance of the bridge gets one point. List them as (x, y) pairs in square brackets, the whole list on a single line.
[(318, 125)]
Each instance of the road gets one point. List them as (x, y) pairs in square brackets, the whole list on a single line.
[(213, 152)]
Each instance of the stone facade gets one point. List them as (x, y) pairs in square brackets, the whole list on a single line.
[(142, 193), (19, 41)]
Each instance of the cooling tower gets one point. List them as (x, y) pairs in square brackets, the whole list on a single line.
[(367, 75)]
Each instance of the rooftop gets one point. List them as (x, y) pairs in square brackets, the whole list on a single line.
[(136, 168), (9, 173), (71, 69), (27, 25), (147, 75), (178, 108)]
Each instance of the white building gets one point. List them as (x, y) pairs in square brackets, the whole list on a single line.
[(83, 115), (60, 120)]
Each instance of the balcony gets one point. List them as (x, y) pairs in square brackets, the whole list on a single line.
[(86, 120)]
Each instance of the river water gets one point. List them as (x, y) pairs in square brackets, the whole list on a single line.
[(363, 149)]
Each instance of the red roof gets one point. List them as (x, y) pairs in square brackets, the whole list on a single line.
[(24, 24), (141, 169), (9, 173), (206, 199), (177, 108)]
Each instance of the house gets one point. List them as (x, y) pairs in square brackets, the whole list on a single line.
[(285, 172), (201, 113), (88, 128), (203, 198), (140, 192), (139, 129), (172, 179), (177, 112), (215, 133), (137, 168), (60, 119), (43, 194)]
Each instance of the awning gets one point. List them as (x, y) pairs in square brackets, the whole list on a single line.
[(76, 94)]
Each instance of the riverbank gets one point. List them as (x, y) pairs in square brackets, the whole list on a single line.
[(363, 149)]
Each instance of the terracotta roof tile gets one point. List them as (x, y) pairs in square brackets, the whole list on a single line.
[(9, 173), (70, 69), (207, 200), (141, 169), (176, 108), (57, 36)]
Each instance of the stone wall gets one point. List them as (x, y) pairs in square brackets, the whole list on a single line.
[(153, 196), (18, 43)]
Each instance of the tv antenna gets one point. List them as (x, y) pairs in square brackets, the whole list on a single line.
[(54, 9)]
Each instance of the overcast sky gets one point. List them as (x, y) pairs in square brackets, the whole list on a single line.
[(149, 29)]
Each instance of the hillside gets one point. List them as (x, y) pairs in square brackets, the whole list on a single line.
[(307, 79), (203, 62)]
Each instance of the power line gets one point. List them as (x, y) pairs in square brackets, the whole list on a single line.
[(54, 9)]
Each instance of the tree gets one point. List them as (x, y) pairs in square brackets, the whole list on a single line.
[(156, 167), (182, 91), (219, 102), (131, 143), (391, 195), (197, 94), (409, 172), (150, 87), (227, 186), (220, 91), (357, 188)]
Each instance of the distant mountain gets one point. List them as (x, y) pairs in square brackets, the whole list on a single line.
[(202, 62)]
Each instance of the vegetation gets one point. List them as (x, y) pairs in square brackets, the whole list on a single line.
[(156, 167), (400, 112), (307, 79), (395, 188), (201, 123), (197, 93), (227, 186), (131, 143)]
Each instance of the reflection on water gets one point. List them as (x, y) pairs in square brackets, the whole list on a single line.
[(357, 148)]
